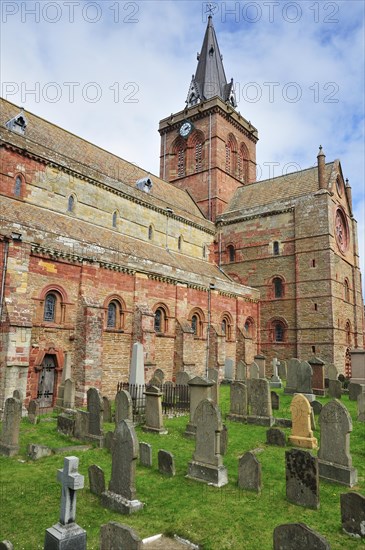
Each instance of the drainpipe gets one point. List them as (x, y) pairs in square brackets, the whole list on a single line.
[(210, 170), (3, 276), (211, 287)]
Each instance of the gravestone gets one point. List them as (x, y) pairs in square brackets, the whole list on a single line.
[(66, 534), (200, 389), (355, 390), (249, 472), (182, 378), (121, 494), (302, 435), (275, 401), (115, 536), (123, 406), (282, 369), (361, 407), (332, 372), (96, 480), (66, 424), (254, 371), (153, 411), (298, 536), (316, 406), (18, 394), (277, 437), (353, 514), (260, 361), (207, 462), (35, 451), (81, 424), (107, 409), (33, 411), (108, 440), (238, 402), (213, 375), (317, 378), (9, 441), (166, 463), (136, 373), (95, 410), (304, 380), (292, 376), (224, 440), (68, 394), (228, 369), (241, 371), (260, 403), (302, 479), (275, 381), (334, 459), (160, 375), (145, 454), (334, 389)]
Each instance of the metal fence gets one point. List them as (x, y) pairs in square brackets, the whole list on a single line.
[(175, 399)]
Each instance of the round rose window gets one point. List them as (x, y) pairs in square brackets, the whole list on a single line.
[(341, 230)]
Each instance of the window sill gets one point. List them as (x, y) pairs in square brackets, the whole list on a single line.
[(114, 330)]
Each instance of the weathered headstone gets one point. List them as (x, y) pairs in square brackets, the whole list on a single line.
[(275, 401), (260, 361), (302, 479), (136, 373), (228, 369), (9, 441), (317, 377), (334, 389), (277, 437), (332, 372), (254, 371), (316, 406), (241, 371), (81, 424), (260, 403), (292, 376), (182, 378), (355, 390), (35, 451), (66, 534), (145, 454), (353, 514), (282, 369), (108, 440), (153, 411), (298, 536), (166, 463), (275, 381), (123, 406), (18, 394), (207, 462), (302, 434), (33, 411), (200, 389), (115, 536), (107, 409), (160, 375), (224, 440), (238, 402), (361, 407), (96, 480), (249, 472), (304, 381), (69, 394), (213, 375), (95, 410), (122, 491), (66, 424), (334, 459)]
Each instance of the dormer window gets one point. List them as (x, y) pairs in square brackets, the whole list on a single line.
[(17, 124)]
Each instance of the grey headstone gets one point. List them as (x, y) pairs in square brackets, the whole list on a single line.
[(292, 376), (302, 479), (166, 463), (123, 406), (298, 536), (260, 403), (108, 440), (316, 406), (275, 401), (107, 409), (238, 401), (153, 411), (145, 454), (304, 381), (254, 371), (9, 441), (95, 409), (355, 390), (136, 374), (69, 394), (115, 536), (282, 369), (213, 374), (160, 375), (35, 451), (229, 369), (33, 411), (353, 514), (274, 436), (361, 407), (332, 372), (96, 480), (182, 378), (224, 440), (200, 389), (241, 371), (249, 472), (66, 424), (335, 462), (81, 425), (334, 389), (18, 394)]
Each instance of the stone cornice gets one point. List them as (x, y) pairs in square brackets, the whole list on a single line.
[(242, 218)]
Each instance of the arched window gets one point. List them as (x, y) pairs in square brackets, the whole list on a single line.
[(226, 326), (114, 219), (279, 331), (150, 233), (50, 304), (231, 151), (197, 323), (71, 203), (228, 157), (160, 323), (249, 328), (194, 324), (231, 253), (278, 287), (242, 161), (18, 186), (114, 315), (276, 248), (347, 290)]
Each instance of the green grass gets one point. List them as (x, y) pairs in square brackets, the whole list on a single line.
[(216, 519)]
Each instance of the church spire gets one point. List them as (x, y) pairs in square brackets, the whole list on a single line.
[(210, 79)]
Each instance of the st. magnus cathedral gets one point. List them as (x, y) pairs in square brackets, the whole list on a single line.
[(203, 265)]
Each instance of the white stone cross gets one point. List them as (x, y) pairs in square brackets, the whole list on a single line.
[(275, 367), (71, 481)]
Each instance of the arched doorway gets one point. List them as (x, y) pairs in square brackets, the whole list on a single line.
[(46, 382)]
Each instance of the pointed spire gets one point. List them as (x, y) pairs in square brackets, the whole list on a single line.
[(210, 78)]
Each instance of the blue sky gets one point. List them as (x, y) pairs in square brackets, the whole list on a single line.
[(108, 71)]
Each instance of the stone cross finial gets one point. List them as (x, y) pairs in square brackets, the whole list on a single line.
[(71, 481)]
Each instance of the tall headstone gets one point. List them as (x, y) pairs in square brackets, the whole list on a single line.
[(260, 403), (136, 374), (238, 407), (160, 375), (182, 378), (334, 459), (81, 424), (302, 479), (123, 406), (260, 360), (66, 534), (318, 372), (275, 381), (166, 463), (334, 389), (302, 434), (122, 491), (358, 365), (207, 463), (254, 371), (249, 472), (96, 480), (145, 454), (228, 369), (275, 400), (107, 409), (304, 380), (33, 411), (69, 394), (241, 371), (282, 369), (361, 407), (332, 372), (355, 390), (213, 375), (153, 411), (353, 514), (115, 536), (292, 376), (200, 389), (9, 441), (299, 536), (95, 410)]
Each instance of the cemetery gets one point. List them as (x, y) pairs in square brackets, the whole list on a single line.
[(226, 470)]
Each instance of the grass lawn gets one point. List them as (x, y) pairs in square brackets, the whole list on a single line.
[(216, 519)]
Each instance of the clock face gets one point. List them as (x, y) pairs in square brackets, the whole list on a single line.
[(341, 230), (185, 129)]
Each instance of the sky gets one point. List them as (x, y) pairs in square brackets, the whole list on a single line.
[(108, 71)]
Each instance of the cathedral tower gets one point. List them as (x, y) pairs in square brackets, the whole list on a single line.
[(208, 148)]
